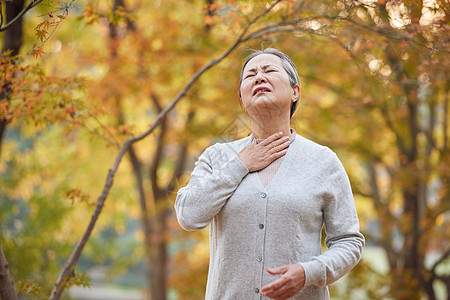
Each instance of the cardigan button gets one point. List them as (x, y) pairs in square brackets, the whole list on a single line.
[(256, 290), (264, 195), (260, 259), (261, 226)]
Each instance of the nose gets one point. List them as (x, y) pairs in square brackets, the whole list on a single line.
[(259, 78)]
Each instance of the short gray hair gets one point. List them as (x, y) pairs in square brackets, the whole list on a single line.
[(288, 66)]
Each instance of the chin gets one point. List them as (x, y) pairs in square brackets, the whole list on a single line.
[(266, 104)]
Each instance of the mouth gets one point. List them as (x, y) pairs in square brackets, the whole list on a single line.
[(261, 90)]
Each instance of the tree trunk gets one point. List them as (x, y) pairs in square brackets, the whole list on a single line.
[(7, 291), (158, 253), (13, 35), (12, 42), (158, 222), (413, 259)]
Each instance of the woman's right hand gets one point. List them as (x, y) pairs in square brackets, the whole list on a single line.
[(257, 156)]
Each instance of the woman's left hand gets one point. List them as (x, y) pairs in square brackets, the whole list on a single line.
[(286, 286)]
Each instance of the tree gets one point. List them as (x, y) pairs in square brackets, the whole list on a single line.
[(11, 46), (364, 74), (393, 88), (67, 272)]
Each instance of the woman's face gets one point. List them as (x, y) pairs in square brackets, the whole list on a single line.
[(265, 87)]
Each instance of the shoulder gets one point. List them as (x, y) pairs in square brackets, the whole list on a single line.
[(226, 149), (313, 149), (318, 157), (233, 146)]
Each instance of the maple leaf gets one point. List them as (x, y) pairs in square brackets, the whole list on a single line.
[(37, 52), (41, 34)]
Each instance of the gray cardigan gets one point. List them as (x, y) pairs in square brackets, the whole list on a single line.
[(254, 228)]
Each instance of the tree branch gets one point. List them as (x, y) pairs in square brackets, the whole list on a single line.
[(384, 212), (289, 26), (400, 142), (357, 191), (137, 170), (70, 264), (29, 6), (136, 164), (392, 34), (444, 256), (1, 14), (156, 161), (445, 123), (181, 160)]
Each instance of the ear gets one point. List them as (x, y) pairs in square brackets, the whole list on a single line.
[(296, 93)]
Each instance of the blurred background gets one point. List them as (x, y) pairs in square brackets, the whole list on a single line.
[(80, 77)]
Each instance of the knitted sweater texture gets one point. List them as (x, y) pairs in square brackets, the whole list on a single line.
[(268, 173), (253, 227)]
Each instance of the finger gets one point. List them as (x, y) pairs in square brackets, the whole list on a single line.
[(277, 283), (281, 147), (278, 270), (274, 285), (271, 138), (282, 292), (269, 290), (278, 142), (278, 145), (277, 155)]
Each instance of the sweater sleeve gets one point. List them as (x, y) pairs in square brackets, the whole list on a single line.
[(213, 181), (344, 241)]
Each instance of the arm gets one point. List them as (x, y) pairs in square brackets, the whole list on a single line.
[(208, 189), (215, 178), (344, 241)]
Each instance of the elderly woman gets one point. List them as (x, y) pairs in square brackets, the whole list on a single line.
[(267, 196)]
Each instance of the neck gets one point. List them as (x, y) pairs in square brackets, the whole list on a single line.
[(262, 129)]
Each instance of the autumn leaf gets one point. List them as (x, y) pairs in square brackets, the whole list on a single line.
[(41, 34), (77, 195), (37, 52)]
